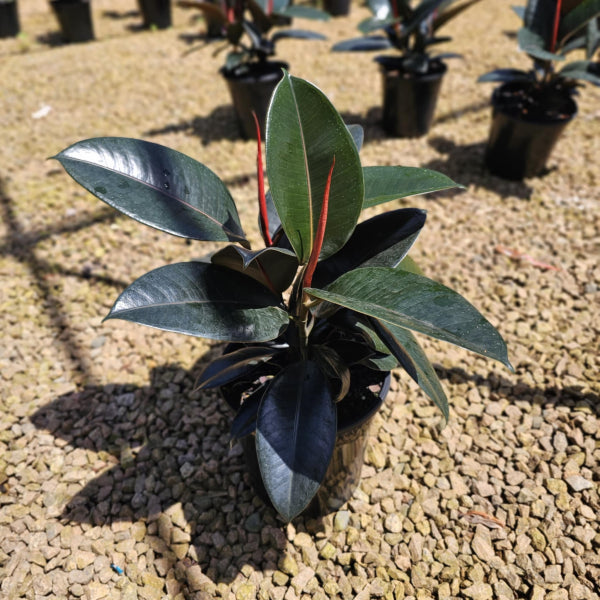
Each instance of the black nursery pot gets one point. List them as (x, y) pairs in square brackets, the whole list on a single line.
[(9, 19), (337, 8), (520, 146), (343, 474), (156, 13), (252, 91), (409, 99), (75, 19)]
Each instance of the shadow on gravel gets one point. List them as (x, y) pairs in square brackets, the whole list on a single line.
[(569, 396), (464, 164), (220, 124), (20, 244), (173, 468), (371, 124)]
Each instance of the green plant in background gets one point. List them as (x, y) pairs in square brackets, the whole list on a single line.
[(247, 24), (409, 29), (551, 30), (326, 292)]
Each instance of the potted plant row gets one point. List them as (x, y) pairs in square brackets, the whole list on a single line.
[(411, 78), (314, 320), (249, 71), (9, 19), (532, 108), (75, 19)]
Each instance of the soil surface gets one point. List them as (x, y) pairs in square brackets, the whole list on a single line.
[(116, 477)]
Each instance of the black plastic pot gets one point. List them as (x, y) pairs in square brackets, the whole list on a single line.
[(409, 99), (518, 146), (343, 474), (9, 19), (337, 8), (156, 13), (252, 91), (75, 19)]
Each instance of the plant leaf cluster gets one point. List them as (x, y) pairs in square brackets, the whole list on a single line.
[(247, 26), (329, 292), (409, 28), (548, 34)]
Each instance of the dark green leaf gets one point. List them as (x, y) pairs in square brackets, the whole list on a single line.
[(383, 184), (244, 422), (535, 45), (156, 186), (380, 8), (381, 241), (305, 12), (234, 365), (373, 24), (538, 17), (592, 38), (295, 436), (405, 347), (363, 44), (203, 300), (577, 19), (582, 69), (304, 133), (274, 267), (397, 297), (506, 75), (299, 34)]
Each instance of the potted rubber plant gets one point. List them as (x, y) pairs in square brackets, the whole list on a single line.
[(316, 318), (412, 78), (9, 19), (250, 72), (75, 19), (155, 13), (530, 109)]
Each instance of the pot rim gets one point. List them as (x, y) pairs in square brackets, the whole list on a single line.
[(269, 69), (497, 106)]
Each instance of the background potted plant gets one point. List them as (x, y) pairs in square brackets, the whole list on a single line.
[(9, 19), (250, 73), (532, 108), (75, 19), (156, 13), (412, 78), (314, 318)]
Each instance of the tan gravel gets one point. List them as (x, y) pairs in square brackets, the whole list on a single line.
[(107, 456)]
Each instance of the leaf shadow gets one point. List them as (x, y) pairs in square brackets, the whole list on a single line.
[(569, 396), (170, 465), (220, 124), (464, 163)]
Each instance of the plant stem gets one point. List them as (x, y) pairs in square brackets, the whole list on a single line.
[(262, 200), (556, 24)]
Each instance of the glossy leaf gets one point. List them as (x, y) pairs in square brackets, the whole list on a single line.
[(535, 45), (301, 11), (405, 347), (156, 186), (363, 44), (373, 24), (304, 133), (423, 11), (577, 19), (299, 34), (380, 8), (506, 75), (397, 297), (274, 267), (592, 38), (538, 17), (244, 422), (233, 365), (383, 184), (208, 9), (381, 241), (295, 436), (581, 69), (202, 300)]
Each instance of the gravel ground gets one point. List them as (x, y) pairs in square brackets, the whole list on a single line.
[(108, 456)]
